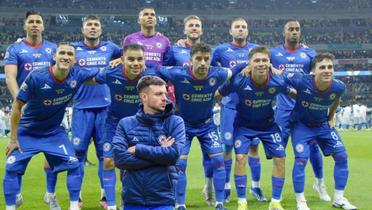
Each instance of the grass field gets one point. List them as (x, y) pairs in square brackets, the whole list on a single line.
[(359, 188)]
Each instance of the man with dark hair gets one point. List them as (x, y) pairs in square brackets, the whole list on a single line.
[(318, 96), (122, 81), (293, 56), (255, 92), (147, 146), (32, 53), (229, 55), (91, 102), (195, 86), (46, 93)]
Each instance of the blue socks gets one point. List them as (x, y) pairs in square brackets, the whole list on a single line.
[(298, 174), (219, 177), (228, 164), (241, 185), (341, 171), (51, 180), (207, 164), (182, 181), (109, 182), (277, 187), (255, 166), (11, 187), (316, 160), (74, 181), (100, 171)]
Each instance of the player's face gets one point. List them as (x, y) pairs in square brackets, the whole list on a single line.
[(292, 32), (65, 57), (259, 64), (323, 71), (193, 29), (239, 30), (92, 29), (155, 98), (134, 62), (200, 64), (147, 18), (34, 25)]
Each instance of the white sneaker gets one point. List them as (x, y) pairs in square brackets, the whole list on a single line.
[(51, 199), (302, 205), (343, 203), (19, 200), (208, 195), (322, 190)]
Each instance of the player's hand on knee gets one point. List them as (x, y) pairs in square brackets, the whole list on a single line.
[(12, 145)]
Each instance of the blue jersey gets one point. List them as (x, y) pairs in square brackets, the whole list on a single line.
[(46, 98), (229, 55), (312, 105), (124, 94), (298, 60), (255, 102), (177, 56), (94, 96), (29, 58), (195, 98)]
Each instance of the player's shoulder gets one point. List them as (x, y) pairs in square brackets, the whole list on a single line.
[(218, 69), (339, 84), (223, 46), (251, 45), (108, 43), (49, 44), (307, 49), (277, 48), (161, 36), (40, 73), (127, 123)]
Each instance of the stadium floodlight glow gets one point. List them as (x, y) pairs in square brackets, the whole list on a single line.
[(232, 1), (149, 1)]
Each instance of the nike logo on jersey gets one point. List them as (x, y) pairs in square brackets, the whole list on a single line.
[(117, 82), (46, 86)]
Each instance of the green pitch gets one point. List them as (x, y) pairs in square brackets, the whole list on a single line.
[(358, 190)]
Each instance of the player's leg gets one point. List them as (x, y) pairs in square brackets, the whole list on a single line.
[(208, 186), (254, 163), (98, 138), (212, 145), (109, 175), (82, 129), (227, 129), (274, 149), (332, 144), (51, 181), (60, 155), (301, 136), (282, 119), (181, 170)]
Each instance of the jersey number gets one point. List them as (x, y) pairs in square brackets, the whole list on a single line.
[(276, 137)]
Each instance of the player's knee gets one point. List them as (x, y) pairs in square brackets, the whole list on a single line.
[(108, 163), (279, 163), (300, 163), (241, 160), (340, 157), (217, 161)]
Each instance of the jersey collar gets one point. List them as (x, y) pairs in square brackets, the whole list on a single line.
[(54, 78), (322, 91), (33, 46), (263, 84), (193, 76), (126, 76)]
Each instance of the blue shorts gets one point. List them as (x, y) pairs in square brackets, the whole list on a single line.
[(138, 207), (271, 139), (282, 119), (88, 123), (57, 148), (327, 138), (110, 129), (207, 134)]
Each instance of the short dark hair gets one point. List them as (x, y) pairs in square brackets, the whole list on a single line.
[(146, 81), (290, 20), (91, 17), (320, 57), (263, 50), (200, 47), (237, 19), (146, 7), (32, 12), (132, 47)]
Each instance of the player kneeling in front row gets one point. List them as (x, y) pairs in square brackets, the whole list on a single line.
[(318, 96), (256, 90)]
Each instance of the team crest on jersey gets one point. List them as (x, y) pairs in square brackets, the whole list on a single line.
[(73, 83), (162, 139), (228, 135), (299, 148), (11, 159), (24, 86), (6, 55), (186, 97), (118, 97), (28, 66), (305, 104), (82, 62), (47, 102), (76, 140), (248, 102), (106, 147), (238, 143), (158, 45), (48, 50), (212, 81), (232, 63), (103, 48), (332, 96), (272, 90), (303, 55)]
